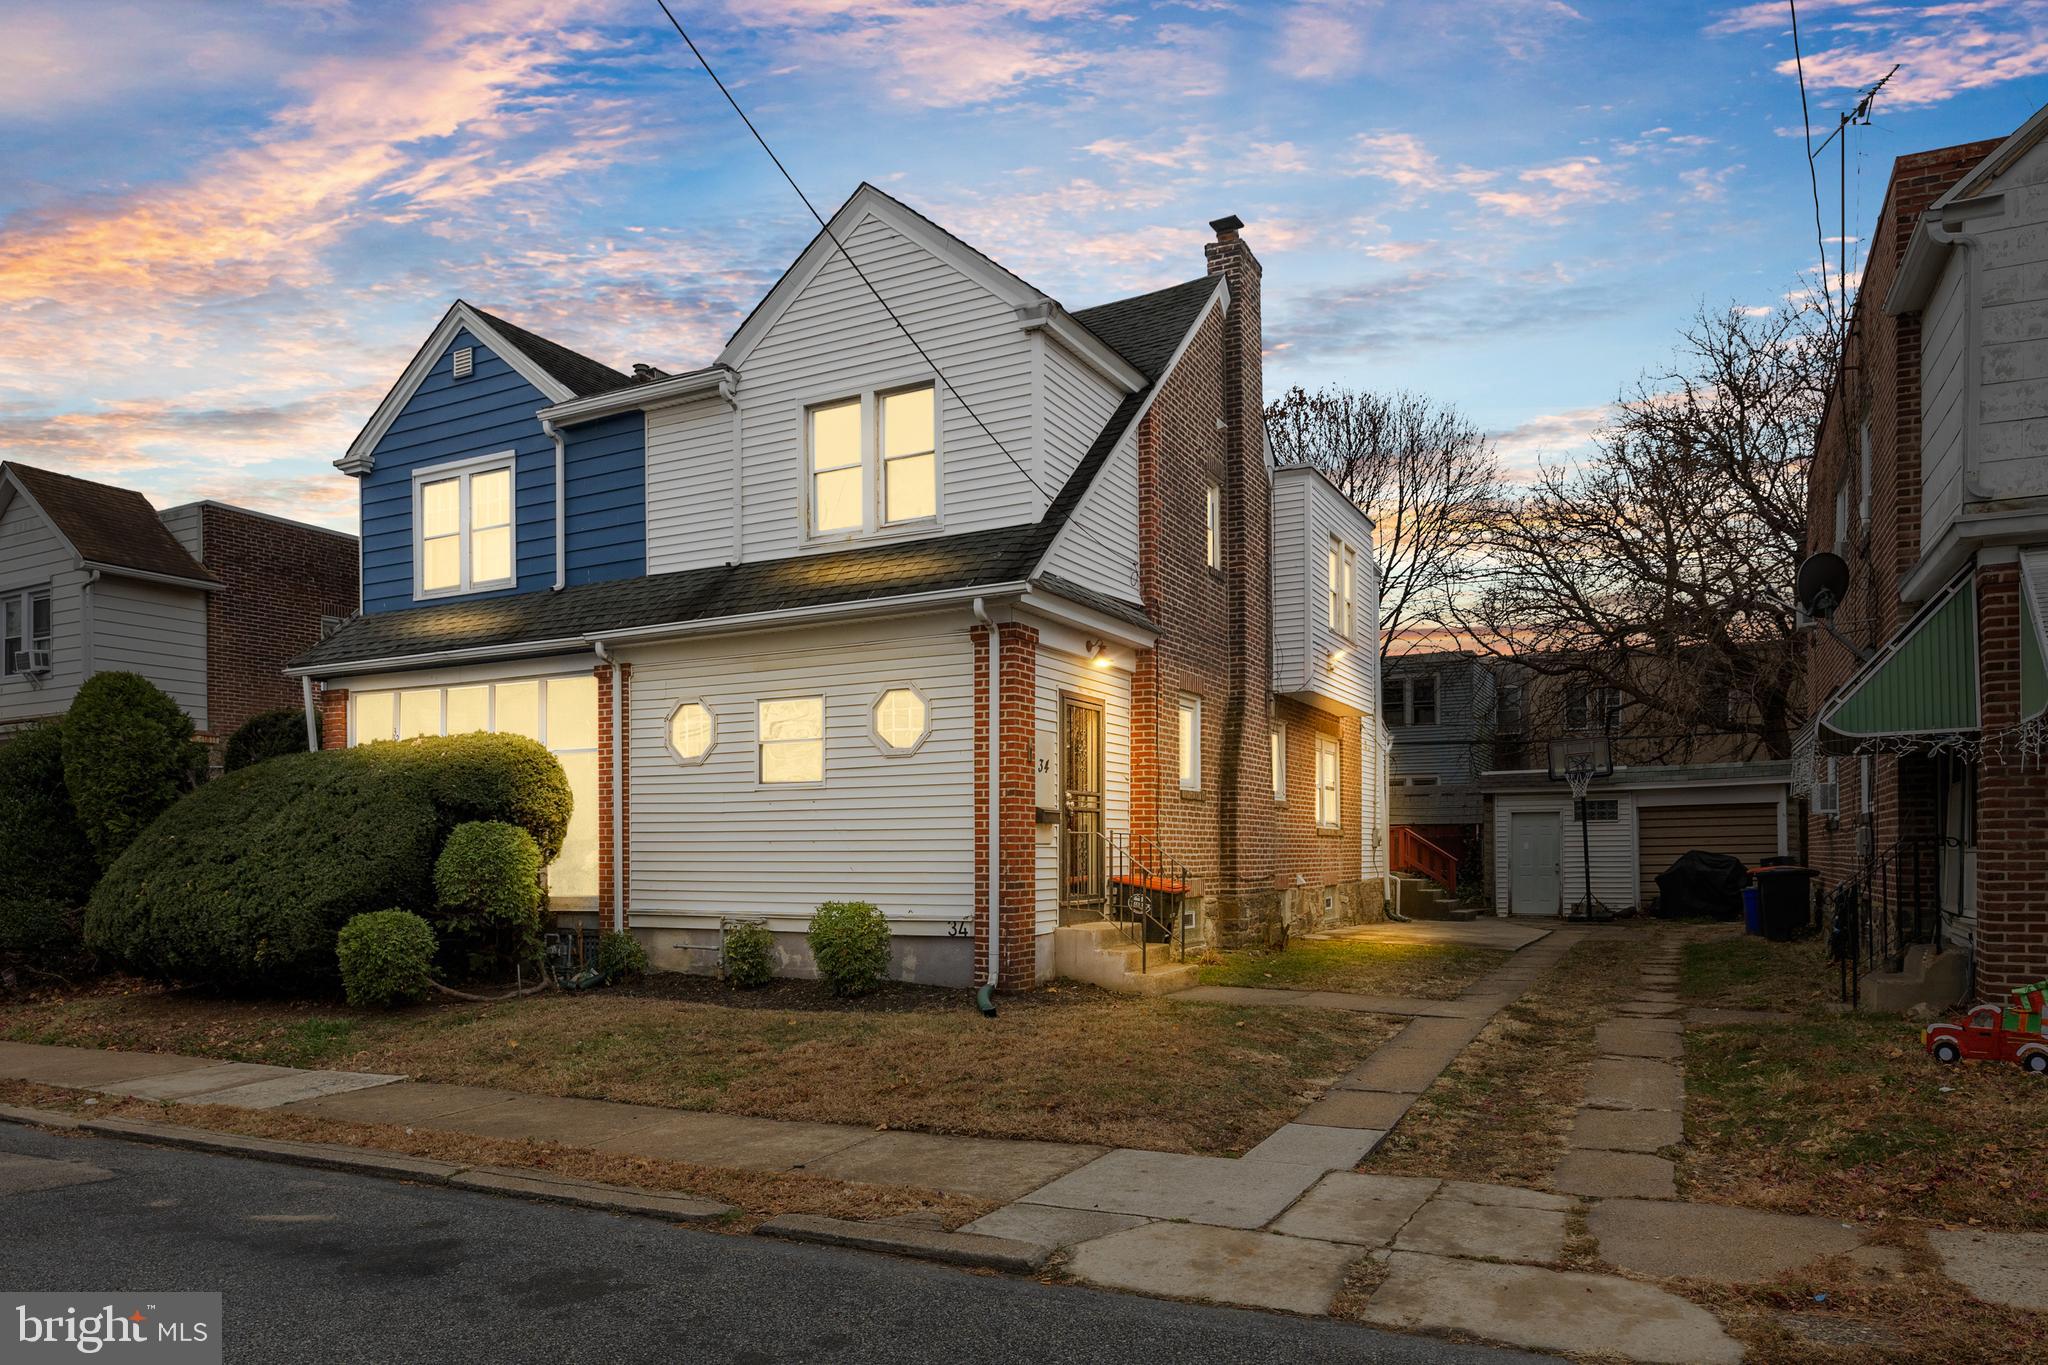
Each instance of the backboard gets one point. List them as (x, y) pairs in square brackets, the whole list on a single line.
[(1591, 755)]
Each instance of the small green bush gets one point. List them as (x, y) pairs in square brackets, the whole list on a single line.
[(246, 882), (749, 955), (620, 956), (40, 935), (273, 734), (44, 854), (850, 943), (491, 870), (128, 754), (386, 957)]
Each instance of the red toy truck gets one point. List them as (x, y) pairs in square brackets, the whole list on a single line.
[(1982, 1036)]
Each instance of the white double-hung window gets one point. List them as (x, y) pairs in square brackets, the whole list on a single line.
[(1190, 741), (462, 526), (1343, 569), (873, 461), (1329, 783), (792, 737), (28, 631)]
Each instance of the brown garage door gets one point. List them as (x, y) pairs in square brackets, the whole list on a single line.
[(1749, 831)]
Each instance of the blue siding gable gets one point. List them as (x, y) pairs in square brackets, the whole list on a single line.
[(492, 410)]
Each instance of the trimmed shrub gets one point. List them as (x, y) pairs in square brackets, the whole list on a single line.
[(128, 754), (386, 957), (247, 881), (620, 956), (44, 854), (40, 935), (749, 955), (273, 734), (850, 942), (491, 870)]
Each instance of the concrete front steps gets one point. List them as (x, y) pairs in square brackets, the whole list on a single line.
[(1932, 981), (1420, 898), (1098, 954)]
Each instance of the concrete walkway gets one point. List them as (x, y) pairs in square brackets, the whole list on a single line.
[(1634, 1104)]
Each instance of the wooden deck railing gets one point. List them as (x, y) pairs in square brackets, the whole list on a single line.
[(1410, 852)]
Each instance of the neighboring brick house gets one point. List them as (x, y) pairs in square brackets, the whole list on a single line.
[(1009, 632), (206, 600), (1930, 479)]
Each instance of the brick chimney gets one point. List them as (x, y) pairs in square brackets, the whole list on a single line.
[(1247, 819)]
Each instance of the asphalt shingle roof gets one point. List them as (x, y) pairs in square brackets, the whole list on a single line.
[(578, 372), (106, 525), (1145, 330)]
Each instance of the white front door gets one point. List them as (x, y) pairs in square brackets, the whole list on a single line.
[(1533, 854)]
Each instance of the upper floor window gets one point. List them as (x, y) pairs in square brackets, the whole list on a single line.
[(1588, 708), (873, 461), (1409, 701), (1510, 713), (1343, 569), (462, 526), (1842, 517), (1212, 527), (28, 632), (1863, 463)]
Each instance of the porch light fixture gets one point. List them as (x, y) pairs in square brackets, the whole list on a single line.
[(1098, 654)]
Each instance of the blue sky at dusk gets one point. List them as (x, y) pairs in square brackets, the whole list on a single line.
[(225, 227)]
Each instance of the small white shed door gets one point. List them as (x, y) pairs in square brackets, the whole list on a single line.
[(1532, 862)]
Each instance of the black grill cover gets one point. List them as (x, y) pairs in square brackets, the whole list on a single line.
[(1701, 884)]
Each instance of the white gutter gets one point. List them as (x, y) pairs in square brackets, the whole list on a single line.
[(679, 388), (312, 717), (561, 504), (618, 795), (390, 663), (995, 804), (872, 606), (202, 584)]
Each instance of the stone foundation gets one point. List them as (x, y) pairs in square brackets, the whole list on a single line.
[(1269, 917), (928, 960)]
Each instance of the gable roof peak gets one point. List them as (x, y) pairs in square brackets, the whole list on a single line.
[(106, 526)]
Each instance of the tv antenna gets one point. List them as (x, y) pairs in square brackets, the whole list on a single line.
[(1860, 114)]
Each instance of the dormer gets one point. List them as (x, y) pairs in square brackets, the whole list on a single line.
[(1326, 594)]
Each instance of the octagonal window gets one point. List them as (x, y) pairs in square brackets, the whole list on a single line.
[(691, 731), (902, 719)]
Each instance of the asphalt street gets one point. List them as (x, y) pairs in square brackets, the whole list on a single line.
[(319, 1267)]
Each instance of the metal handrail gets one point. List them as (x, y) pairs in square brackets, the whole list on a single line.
[(1137, 871), (1411, 852)]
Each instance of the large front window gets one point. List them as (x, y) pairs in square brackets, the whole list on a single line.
[(463, 518), (873, 461), (28, 632), (560, 713)]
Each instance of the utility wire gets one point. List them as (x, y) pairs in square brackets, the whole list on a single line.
[(1820, 240), (826, 228)]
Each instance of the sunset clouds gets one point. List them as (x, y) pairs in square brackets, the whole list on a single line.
[(227, 225)]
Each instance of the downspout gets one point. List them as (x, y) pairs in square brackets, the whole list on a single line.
[(561, 506), (85, 625), (995, 806), (618, 793), (312, 716)]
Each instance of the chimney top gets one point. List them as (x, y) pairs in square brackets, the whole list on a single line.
[(1227, 226)]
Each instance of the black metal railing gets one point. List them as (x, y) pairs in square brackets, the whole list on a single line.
[(1145, 894), (1894, 903)]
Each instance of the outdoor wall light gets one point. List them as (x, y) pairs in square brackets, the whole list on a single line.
[(1098, 654)]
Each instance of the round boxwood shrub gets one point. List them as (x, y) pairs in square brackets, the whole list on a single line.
[(44, 854), (620, 956), (850, 943), (128, 754), (247, 881), (386, 957), (273, 734), (490, 870), (749, 955)]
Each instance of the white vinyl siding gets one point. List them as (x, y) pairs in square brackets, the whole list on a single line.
[(558, 712), (1078, 404), (1613, 847), (1098, 546), (1311, 520), (834, 340), (1062, 670), (32, 556), (895, 829), (691, 523), (156, 630)]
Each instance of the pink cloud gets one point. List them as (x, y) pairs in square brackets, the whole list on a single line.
[(1405, 162), (1549, 192)]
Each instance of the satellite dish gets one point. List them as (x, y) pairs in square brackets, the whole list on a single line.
[(1822, 583)]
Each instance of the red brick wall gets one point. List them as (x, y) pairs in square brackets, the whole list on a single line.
[(1016, 802), (333, 704), (1319, 856), (280, 578), (614, 914), (2012, 854)]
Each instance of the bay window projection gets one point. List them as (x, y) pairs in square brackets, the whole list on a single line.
[(874, 461), (792, 740), (1329, 785), (463, 527), (559, 713)]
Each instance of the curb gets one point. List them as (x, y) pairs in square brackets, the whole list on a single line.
[(926, 1244), (541, 1186)]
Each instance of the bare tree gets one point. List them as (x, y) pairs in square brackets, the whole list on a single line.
[(1661, 566), (1426, 476)]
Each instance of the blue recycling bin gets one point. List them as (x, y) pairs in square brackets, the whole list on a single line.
[(1752, 910)]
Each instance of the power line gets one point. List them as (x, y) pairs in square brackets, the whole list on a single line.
[(826, 228), (1820, 240)]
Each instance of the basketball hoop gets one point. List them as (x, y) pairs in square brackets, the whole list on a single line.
[(1576, 762), (1578, 772)]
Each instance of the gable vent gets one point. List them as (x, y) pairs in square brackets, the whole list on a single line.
[(464, 362)]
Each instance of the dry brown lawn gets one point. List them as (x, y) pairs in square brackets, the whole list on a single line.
[(1067, 1064), (1500, 1112), (1429, 971)]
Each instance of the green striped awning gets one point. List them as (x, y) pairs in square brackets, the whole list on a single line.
[(1923, 682)]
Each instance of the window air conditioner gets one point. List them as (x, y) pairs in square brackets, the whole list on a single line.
[(1827, 798)]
